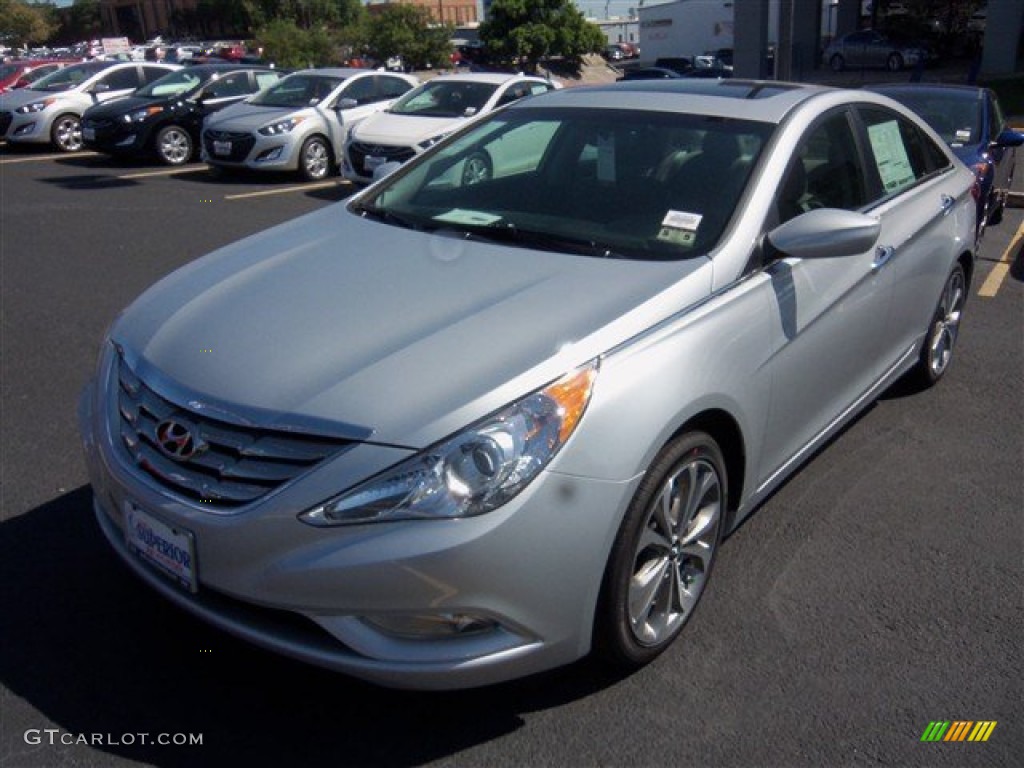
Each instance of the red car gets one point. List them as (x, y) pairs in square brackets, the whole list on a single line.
[(19, 73)]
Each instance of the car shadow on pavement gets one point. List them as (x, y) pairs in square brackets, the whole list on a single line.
[(90, 181), (96, 652)]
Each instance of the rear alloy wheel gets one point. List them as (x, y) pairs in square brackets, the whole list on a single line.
[(314, 159), (662, 557), (477, 168), (944, 328), (66, 133), (174, 145)]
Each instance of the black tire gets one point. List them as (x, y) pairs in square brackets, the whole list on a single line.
[(477, 168), (664, 551), (173, 145), (894, 63), (943, 330), (837, 63), (315, 163), (66, 133)]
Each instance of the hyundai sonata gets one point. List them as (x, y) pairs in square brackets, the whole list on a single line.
[(451, 432)]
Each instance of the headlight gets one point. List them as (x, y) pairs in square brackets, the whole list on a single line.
[(431, 141), (35, 106), (285, 126), (476, 470), (139, 115)]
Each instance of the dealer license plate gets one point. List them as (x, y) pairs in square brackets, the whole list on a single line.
[(170, 549), (222, 147)]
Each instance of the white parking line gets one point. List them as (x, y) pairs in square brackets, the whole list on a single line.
[(284, 190), (164, 172), (33, 158), (998, 274)]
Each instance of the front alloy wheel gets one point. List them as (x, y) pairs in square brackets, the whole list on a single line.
[(314, 159), (67, 133), (173, 145), (662, 558)]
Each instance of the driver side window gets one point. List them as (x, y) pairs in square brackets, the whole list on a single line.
[(826, 171)]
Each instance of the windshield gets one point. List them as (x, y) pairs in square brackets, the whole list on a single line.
[(68, 78), (955, 117), (610, 183), (445, 98), (298, 91), (173, 84)]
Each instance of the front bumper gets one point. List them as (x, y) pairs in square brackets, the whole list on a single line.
[(29, 129), (253, 151), (532, 569), (116, 138)]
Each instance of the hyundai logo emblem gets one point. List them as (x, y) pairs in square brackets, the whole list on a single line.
[(177, 440)]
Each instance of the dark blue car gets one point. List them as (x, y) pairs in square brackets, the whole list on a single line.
[(971, 122)]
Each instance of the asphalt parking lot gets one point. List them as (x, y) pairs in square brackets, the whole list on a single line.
[(875, 592)]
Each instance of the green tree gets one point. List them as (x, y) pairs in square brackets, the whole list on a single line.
[(24, 24), (408, 31), (526, 31), (287, 45)]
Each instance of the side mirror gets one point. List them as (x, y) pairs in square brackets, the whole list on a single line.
[(1009, 138), (100, 88), (826, 233), (345, 104)]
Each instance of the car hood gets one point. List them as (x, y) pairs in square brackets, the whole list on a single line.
[(118, 107), (400, 334), (249, 117), (13, 99), (405, 130)]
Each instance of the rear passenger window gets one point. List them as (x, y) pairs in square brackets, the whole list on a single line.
[(235, 84), (123, 79), (902, 153), (391, 87)]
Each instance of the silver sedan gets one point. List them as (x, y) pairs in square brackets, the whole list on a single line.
[(445, 434)]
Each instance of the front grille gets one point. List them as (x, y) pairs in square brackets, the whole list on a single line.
[(241, 145), (6, 118), (359, 151), (97, 124), (218, 463)]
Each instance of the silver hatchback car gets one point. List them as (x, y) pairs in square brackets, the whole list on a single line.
[(444, 433), (301, 122), (50, 111)]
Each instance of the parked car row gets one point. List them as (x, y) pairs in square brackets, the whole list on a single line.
[(236, 116)]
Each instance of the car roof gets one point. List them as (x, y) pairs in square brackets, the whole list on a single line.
[(335, 71), (496, 78), (764, 101), (967, 91)]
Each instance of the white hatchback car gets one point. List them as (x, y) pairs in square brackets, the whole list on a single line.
[(300, 122), (427, 114), (51, 110)]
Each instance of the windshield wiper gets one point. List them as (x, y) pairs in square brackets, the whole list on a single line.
[(507, 232), (384, 215)]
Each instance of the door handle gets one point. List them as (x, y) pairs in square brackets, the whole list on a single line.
[(882, 255), (947, 203)]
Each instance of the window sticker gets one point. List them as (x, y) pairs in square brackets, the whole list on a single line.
[(606, 157), (963, 134), (472, 218), (679, 228), (891, 156)]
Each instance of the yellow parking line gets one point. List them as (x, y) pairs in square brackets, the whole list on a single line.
[(995, 278), (12, 160), (284, 190), (164, 172)]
